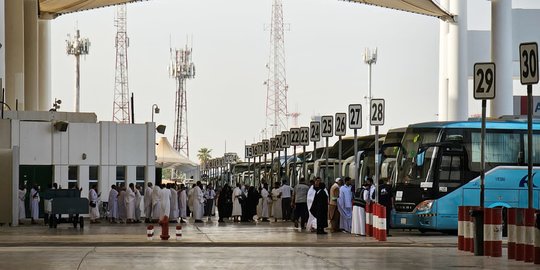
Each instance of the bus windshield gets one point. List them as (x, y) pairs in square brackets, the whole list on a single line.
[(412, 171)]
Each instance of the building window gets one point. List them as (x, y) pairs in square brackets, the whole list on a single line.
[(120, 175), (139, 179), (73, 176), (93, 176)]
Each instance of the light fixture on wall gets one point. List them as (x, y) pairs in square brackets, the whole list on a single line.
[(161, 129), (61, 126), (84, 156)]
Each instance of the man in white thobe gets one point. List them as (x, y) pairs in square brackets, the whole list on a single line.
[(165, 203), (345, 205), (156, 200), (94, 210), (198, 203), (148, 203), (122, 211), (182, 203), (359, 211), (34, 204), (138, 199), (130, 203), (237, 207), (190, 199), (22, 210), (265, 197), (173, 216), (312, 221), (113, 204)]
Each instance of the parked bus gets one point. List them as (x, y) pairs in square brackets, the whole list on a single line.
[(438, 169)]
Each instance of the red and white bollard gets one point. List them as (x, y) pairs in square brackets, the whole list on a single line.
[(466, 230), (178, 232), (369, 219), (493, 232), (511, 221), (461, 241), (529, 234), (150, 232), (382, 223), (164, 223), (520, 234), (537, 239), (472, 229), (376, 221)]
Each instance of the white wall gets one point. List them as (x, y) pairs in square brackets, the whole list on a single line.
[(33, 150), (84, 139)]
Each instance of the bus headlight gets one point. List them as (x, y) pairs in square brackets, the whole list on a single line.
[(424, 206)]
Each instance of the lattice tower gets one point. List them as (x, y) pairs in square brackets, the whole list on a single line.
[(121, 87), (276, 93), (181, 69)]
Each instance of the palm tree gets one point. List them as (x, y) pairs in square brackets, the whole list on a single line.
[(204, 155)]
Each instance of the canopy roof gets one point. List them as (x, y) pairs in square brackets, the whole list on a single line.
[(167, 157), (54, 8), (424, 7)]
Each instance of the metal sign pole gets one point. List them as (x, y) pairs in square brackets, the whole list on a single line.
[(530, 144), (305, 165), (314, 155), (294, 166), (339, 157), (286, 164), (377, 164), (326, 168), (357, 182), (271, 170), (248, 170), (482, 154), (265, 172), (279, 166)]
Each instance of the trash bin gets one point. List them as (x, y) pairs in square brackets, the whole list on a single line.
[(477, 215)]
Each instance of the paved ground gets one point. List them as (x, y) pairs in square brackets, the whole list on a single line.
[(230, 246)]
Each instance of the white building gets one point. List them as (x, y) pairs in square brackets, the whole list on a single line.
[(70, 149)]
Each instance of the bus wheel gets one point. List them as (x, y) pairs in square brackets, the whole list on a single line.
[(422, 231)]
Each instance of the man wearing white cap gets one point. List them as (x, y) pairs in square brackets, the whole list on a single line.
[(333, 213)]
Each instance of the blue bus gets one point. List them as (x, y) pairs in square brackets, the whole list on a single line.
[(438, 169)]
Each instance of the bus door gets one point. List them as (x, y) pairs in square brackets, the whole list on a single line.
[(452, 167)]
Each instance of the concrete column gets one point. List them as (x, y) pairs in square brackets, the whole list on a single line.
[(61, 175), (501, 54), (443, 66), (457, 62), (44, 52), (131, 175), (104, 182), (83, 180), (14, 52), (30, 55)]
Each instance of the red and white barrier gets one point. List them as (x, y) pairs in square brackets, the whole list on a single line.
[(164, 223), (520, 234), (178, 232), (150, 232), (511, 223), (376, 220), (467, 232), (369, 219), (461, 242), (497, 233), (529, 235), (382, 223), (537, 240), (488, 231)]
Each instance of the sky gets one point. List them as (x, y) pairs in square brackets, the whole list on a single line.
[(226, 99)]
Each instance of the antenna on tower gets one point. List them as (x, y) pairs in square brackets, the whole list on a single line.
[(181, 69), (77, 46), (121, 112), (276, 84)]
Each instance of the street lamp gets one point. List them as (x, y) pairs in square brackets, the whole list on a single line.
[(155, 109), (369, 58)]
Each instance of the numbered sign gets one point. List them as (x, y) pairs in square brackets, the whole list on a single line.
[(295, 136), (341, 124), (355, 116), (327, 126), (285, 139), (260, 147), (484, 81), (254, 146), (315, 131), (304, 136), (528, 58), (266, 146), (249, 151), (376, 114), (272, 145), (278, 143)]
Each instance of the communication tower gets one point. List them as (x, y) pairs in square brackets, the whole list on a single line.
[(276, 84), (121, 87), (181, 69), (77, 46)]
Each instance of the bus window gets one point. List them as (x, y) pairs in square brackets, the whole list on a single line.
[(500, 148), (536, 148)]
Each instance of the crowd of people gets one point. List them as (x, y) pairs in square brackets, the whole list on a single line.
[(311, 206)]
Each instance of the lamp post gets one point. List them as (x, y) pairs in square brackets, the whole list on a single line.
[(155, 109), (370, 57), (77, 46)]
